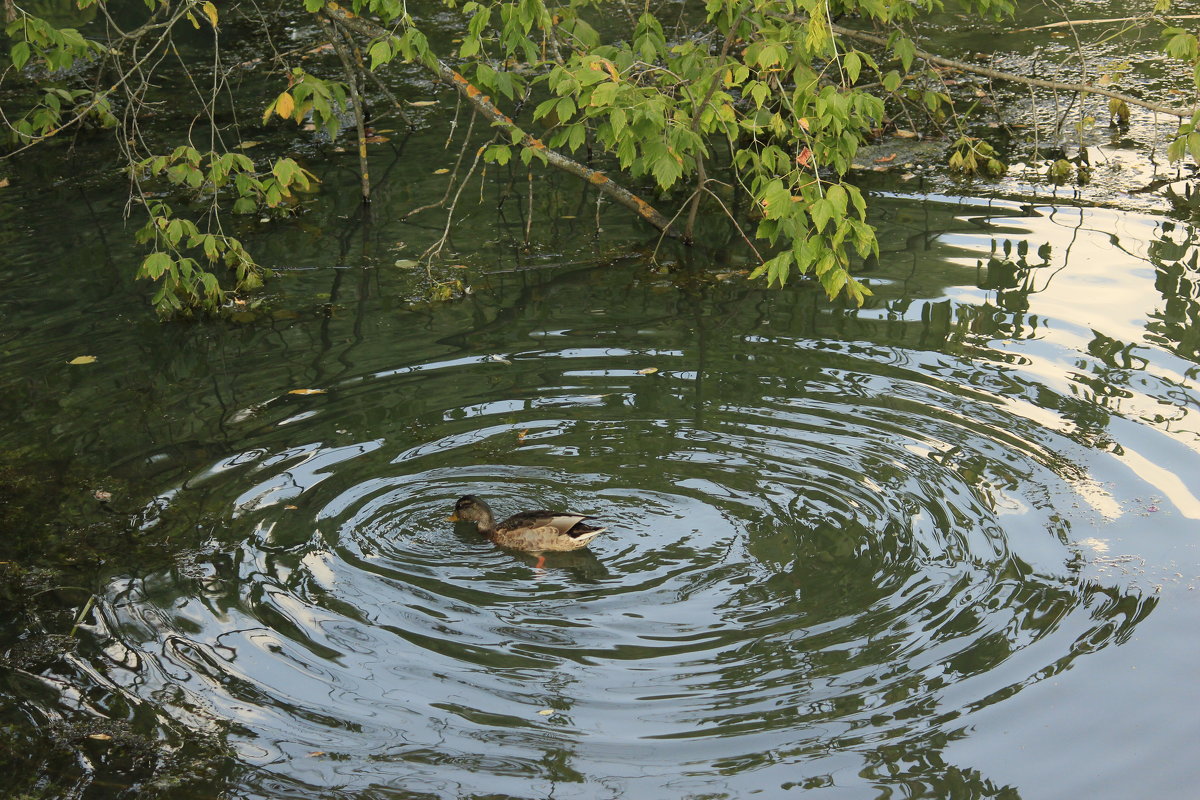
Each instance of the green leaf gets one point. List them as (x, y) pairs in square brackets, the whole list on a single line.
[(155, 265), (821, 211), (905, 50), (19, 54), (380, 53), (852, 63), (604, 94), (498, 153)]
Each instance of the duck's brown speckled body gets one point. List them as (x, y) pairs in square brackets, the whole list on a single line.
[(531, 531)]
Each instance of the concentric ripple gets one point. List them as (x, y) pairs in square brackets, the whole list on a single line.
[(815, 548)]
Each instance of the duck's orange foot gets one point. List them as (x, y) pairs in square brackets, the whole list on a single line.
[(541, 562)]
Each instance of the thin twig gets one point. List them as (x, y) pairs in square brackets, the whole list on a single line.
[(339, 45), (701, 174)]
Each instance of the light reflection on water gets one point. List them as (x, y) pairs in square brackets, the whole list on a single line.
[(838, 540)]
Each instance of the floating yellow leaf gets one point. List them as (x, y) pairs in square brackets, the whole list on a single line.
[(3, 183), (248, 145), (648, 371), (422, 103), (285, 105), (900, 133), (545, 712), (210, 11), (103, 737), (441, 171), (290, 508), (316, 753), (521, 435), (307, 391), (82, 360)]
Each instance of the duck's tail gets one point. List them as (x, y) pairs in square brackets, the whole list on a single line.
[(585, 533)]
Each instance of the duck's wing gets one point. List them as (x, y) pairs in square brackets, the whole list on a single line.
[(560, 522)]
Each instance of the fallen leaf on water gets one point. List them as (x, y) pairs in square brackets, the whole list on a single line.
[(886, 159), (290, 508), (545, 712), (458, 266), (307, 391), (308, 126), (521, 435), (103, 737), (648, 371), (903, 134), (422, 103), (3, 182), (406, 263), (325, 48), (315, 753), (248, 145), (500, 359), (102, 495), (441, 171), (82, 360), (376, 139), (567, 216)]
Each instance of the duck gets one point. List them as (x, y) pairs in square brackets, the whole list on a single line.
[(530, 531)]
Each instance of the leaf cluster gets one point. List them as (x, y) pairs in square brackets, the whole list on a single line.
[(751, 109)]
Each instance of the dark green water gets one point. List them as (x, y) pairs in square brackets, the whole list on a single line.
[(940, 546)]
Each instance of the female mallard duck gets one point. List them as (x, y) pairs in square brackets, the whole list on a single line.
[(532, 531)]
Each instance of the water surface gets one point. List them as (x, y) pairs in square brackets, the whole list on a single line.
[(939, 546)]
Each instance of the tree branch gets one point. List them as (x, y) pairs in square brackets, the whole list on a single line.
[(484, 105)]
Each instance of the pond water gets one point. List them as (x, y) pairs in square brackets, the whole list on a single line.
[(944, 545)]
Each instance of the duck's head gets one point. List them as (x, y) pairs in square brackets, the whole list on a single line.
[(471, 509)]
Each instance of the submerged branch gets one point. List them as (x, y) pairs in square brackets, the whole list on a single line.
[(1071, 23), (1082, 88)]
